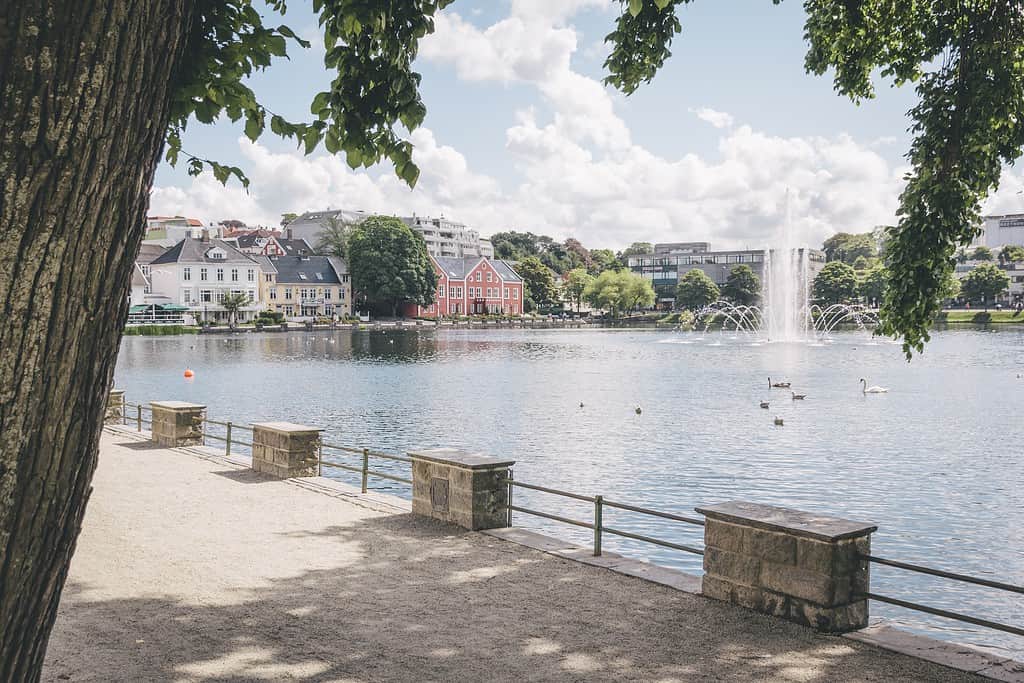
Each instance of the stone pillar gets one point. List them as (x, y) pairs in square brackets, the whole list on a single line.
[(467, 489), (800, 566), (115, 407), (285, 450), (176, 423)]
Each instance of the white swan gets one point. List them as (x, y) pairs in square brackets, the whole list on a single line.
[(865, 389)]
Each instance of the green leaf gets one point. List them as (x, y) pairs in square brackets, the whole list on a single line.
[(635, 7)]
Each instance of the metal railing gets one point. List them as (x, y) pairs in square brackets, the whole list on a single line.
[(597, 525), (364, 469), (948, 614)]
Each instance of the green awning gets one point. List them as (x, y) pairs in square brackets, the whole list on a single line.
[(141, 308), (174, 307)]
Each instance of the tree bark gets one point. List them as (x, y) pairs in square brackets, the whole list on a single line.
[(84, 93)]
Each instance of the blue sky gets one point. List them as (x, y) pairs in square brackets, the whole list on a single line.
[(519, 135)]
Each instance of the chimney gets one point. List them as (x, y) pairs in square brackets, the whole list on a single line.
[(205, 235), (288, 231)]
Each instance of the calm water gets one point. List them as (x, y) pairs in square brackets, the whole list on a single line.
[(937, 463)]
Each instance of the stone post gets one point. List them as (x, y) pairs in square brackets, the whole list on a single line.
[(467, 489), (115, 407), (800, 566), (176, 423), (285, 450)]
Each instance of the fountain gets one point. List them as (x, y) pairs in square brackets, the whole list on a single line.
[(787, 314)]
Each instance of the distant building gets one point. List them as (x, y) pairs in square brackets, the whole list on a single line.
[(303, 287), (1001, 231), (257, 244), (169, 230), (197, 273), (310, 225), (443, 237), (472, 286), (142, 290), (670, 262), (447, 238)]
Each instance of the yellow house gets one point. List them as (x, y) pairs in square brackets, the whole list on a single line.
[(305, 287)]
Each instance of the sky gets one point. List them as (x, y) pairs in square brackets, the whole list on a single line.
[(732, 143)]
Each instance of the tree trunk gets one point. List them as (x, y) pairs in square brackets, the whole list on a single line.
[(84, 93)]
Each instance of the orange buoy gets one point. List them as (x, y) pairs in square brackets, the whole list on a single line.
[(189, 373)]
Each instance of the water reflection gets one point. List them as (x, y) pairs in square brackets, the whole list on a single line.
[(936, 462)]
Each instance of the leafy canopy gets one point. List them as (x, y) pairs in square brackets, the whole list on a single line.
[(538, 280), (966, 60), (618, 291), (984, 283), (742, 287), (836, 283), (576, 282), (696, 290), (389, 263)]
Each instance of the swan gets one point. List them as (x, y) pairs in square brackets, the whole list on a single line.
[(778, 385), (778, 421), (865, 389), (798, 397)]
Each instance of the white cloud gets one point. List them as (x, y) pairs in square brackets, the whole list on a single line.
[(579, 171), (718, 119)]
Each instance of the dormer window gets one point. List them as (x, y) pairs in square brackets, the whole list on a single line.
[(302, 276), (216, 253)]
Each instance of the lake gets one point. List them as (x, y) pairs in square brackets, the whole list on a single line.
[(936, 462)]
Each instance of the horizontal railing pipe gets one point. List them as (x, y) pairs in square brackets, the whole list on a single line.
[(1006, 628), (654, 513), (945, 574)]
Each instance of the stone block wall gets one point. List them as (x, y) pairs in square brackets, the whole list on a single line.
[(115, 407), (176, 423), (460, 488), (285, 450), (787, 563)]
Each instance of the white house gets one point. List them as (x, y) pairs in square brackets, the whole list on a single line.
[(199, 273)]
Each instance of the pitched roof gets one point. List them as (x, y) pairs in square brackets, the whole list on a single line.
[(295, 247), (149, 252), (308, 270), (266, 265), (193, 250), (458, 268)]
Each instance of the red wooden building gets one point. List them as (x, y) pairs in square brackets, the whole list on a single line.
[(472, 286)]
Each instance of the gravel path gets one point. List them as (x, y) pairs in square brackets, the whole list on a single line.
[(191, 568)]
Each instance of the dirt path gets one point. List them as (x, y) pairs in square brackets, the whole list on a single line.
[(194, 569)]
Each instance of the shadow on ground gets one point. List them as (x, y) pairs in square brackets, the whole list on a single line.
[(429, 602)]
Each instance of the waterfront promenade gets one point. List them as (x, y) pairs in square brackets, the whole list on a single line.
[(193, 567)]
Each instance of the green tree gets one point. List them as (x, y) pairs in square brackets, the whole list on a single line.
[(872, 283), (287, 218), (1011, 253), (836, 283), (334, 238), (389, 263), (233, 303), (981, 253), (847, 247), (742, 287), (637, 248), (618, 291), (538, 280), (579, 256), (951, 288), (696, 290), (985, 283), (576, 282), (602, 260)]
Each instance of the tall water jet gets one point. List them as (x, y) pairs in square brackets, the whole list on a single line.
[(786, 290)]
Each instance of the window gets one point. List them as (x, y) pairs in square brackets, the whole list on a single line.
[(319, 276), (186, 296), (202, 274), (288, 311), (489, 276), (515, 293), (206, 296), (220, 296), (479, 276), (302, 276), (440, 292), (269, 277), (220, 275), (251, 275), (458, 292), (287, 293), (252, 296), (234, 274), (186, 274), (506, 292), (327, 294), (451, 292), (490, 292), (273, 293)]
